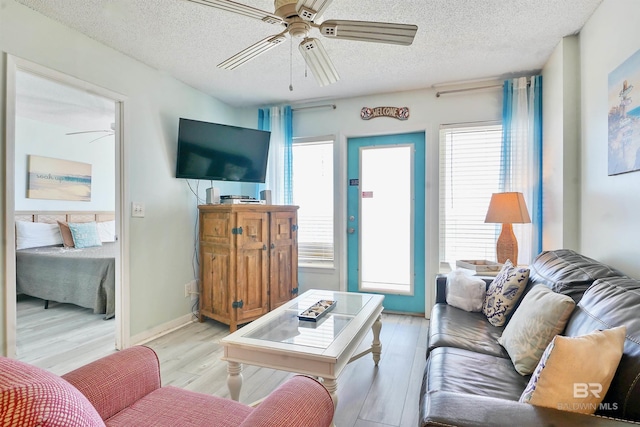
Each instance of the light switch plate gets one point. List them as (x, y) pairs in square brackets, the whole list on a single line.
[(137, 210)]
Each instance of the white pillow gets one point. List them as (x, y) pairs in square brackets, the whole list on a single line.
[(36, 234), (464, 291), (107, 231)]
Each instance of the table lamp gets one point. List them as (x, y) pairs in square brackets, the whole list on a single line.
[(506, 209)]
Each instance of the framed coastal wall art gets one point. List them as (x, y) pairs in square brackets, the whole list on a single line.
[(58, 179), (624, 117)]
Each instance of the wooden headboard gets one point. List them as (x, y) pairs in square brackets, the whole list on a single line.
[(53, 216)]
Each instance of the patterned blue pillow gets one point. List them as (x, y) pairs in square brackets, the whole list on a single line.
[(85, 234), (504, 292)]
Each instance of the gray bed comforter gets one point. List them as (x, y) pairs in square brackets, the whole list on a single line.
[(85, 277)]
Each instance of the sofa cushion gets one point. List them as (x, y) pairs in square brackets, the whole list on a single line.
[(606, 304), (568, 272), (461, 371), (171, 406), (504, 293), (541, 316), (30, 396), (452, 327), (559, 382)]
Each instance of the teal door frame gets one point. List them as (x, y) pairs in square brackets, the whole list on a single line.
[(414, 303)]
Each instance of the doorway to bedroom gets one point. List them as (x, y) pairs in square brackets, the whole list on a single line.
[(65, 203)]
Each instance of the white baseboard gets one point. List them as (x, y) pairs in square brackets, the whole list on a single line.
[(161, 330)]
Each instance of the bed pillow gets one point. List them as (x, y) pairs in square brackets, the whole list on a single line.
[(36, 234), (67, 237), (464, 291), (575, 373), (542, 315), (504, 292), (85, 234), (107, 231)]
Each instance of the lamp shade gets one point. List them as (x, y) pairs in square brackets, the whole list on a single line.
[(507, 208)]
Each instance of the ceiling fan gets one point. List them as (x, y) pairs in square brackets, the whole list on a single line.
[(298, 18), (107, 132)]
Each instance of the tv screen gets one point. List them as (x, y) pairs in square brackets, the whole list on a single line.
[(221, 152)]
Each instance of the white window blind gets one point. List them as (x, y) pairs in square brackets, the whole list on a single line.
[(469, 174), (313, 193)]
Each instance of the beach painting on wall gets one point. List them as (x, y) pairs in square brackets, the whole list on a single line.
[(58, 179), (624, 116)]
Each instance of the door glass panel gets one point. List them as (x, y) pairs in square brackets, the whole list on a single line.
[(386, 220)]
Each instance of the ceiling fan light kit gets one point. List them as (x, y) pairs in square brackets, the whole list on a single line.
[(298, 18)]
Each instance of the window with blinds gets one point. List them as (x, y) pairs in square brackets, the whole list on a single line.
[(313, 193), (469, 174)]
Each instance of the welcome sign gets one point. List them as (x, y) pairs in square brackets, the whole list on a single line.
[(400, 113)]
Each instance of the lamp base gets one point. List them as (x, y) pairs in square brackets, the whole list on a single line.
[(507, 245)]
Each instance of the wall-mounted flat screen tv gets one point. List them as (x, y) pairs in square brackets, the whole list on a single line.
[(219, 152)]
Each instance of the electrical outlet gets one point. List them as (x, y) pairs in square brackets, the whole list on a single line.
[(191, 289), (137, 210)]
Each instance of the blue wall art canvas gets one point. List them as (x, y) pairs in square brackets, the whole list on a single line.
[(624, 116), (58, 179)]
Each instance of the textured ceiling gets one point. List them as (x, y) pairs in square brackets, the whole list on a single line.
[(457, 40)]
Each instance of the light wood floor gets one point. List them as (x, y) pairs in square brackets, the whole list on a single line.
[(190, 358)]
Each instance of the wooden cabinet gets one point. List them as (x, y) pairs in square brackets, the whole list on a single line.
[(248, 261)]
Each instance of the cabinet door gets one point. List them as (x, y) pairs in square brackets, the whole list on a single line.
[(216, 271), (284, 258), (252, 264)]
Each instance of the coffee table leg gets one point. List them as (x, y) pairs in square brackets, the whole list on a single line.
[(234, 379), (332, 388), (376, 346)]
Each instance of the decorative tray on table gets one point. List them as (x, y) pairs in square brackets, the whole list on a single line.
[(317, 310)]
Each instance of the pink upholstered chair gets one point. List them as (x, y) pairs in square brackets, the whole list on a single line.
[(123, 389)]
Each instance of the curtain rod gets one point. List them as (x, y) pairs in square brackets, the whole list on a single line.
[(444, 92), (333, 107)]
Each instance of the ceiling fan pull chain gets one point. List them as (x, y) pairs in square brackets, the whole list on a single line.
[(291, 64)]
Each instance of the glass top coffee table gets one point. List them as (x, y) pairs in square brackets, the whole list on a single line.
[(322, 348)]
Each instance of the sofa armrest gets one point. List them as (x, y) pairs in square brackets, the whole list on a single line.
[(441, 287), (300, 401), (465, 410), (115, 382)]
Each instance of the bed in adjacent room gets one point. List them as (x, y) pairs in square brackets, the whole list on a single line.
[(67, 258)]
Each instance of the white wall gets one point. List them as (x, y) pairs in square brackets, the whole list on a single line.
[(610, 229), (162, 243), (561, 146), (49, 140), (427, 113)]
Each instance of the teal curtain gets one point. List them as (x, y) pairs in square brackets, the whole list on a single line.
[(288, 155), (279, 120), (521, 161)]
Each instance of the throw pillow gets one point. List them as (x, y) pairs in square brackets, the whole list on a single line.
[(561, 383), (464, 291), (542, 315), (107, 231), (36, 234), (85, 234), (504, 292), (67, 237)]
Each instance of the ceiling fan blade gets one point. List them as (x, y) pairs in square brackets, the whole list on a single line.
[(377, 32), (252, 51), (311, 9), (251, 12), (317, 59), (89, 131)]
